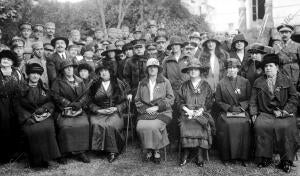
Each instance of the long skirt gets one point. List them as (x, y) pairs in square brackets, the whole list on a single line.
[(73, 133), (153, 134), (275, 135), (107, 133), (233, 137), (41, 139)]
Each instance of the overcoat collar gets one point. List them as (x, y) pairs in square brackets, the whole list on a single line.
[(159, 79)]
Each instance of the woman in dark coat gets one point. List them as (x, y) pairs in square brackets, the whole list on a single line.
[(35, 113), (233, 123), (72, 122), (273, 105), (10, 79), (107, 103), (196, 123)]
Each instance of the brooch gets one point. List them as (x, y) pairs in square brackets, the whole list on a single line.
[(237, 91)]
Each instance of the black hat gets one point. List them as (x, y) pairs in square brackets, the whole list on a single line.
[(237, 38), (111, 48), (285, 27), (66, 63), (104, 65), (270, 58), (34, 68), (138, 42), (53, 41), (11, 55), (174, 40), (194, 63), (85, 66), (257, 48), (211, 38), (127, 46)]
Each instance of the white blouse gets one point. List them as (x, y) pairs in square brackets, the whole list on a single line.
[(151, 88)]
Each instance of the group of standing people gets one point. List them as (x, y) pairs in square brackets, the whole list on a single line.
[(63, 97)]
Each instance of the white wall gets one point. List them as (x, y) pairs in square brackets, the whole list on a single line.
[(285, 8)]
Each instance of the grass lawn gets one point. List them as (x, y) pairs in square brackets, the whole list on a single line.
[(130, 163)]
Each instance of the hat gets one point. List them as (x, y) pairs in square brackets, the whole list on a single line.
[(38, 44), (138, 42), (38, 27), (105, 65), (48, 46), (232, 62), (195, 35), (85, 66), (237, 38), (153, 62), (285, 27), (137, 29), (86, 49), (119, 41), (127, 46), (151, 46), (189, 44), (53, 41), (174, 40), (99, 47), (79, 43), (270, 58), (11, 55), (194, 63), (66, 63), (257, 48), (17, 41), (105, 42), (211, 38), (160, 38), (34, 68), (110, 48), (152, 23), (25, 25), (50, 25)]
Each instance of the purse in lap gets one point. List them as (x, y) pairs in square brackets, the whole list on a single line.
[(68, 112), (39, 118)]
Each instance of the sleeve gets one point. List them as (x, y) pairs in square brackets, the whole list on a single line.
[(51, 71), (60, 101), (49, 106), (140, 106), (127, 75), (208, 99), (123, 103), (224, 106), (245, 104), (22, 113), (168, 101), (291, 105)]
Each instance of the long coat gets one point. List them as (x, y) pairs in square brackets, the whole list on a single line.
[(163, 97), (106, 129), (196, 132), (41, 136), (233, 134), (266, 126), (73, 133)]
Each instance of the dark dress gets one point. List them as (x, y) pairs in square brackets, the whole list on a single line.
[(233, 133), (196, 132), (272, 134), (73, 133), (8, 118), (41, 136), (107, 129)]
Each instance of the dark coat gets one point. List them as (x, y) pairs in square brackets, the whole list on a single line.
[(53, 66), (226, 45), (244, 61)]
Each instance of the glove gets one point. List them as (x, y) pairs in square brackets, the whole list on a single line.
[(39, 111), (75, 105), (29, 122), (235, 109)]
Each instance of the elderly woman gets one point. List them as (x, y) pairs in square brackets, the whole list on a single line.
[(9, 89), (153, 100), (108, 100), (196, 123), (72, 122), (272, 106), (233, 127), (35, 113)]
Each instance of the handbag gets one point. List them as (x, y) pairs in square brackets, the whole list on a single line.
[(39, 118), (68, 112)]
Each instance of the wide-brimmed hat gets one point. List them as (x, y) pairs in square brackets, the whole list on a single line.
[(232, 62), (194, 63), (127, 46), (111, 48), (34, 68), (237, 38), (211, 38), (195, 35), (285, 27), (153, 62), (152, 23), (11, 55), (85, 66), (270, 58), (174, 40), (257, 48), (66, 63), (53, 41)]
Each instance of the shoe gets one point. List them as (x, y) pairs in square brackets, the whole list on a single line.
[(112, 157), (285, 166), (156, 159), (183, 162), (243, 163), (200, 163), (265, 163), (52, 165), (84, 158), (62, 160), (148, 157)]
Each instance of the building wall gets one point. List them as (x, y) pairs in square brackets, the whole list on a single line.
[(286, 10)]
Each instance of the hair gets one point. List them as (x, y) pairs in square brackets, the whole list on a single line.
[(218, 51)]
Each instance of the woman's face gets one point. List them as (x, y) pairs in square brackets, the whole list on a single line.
[(232, 71), (194, 72), (6, 62), (211, 45), (240, 45), (34, 77), (111, 54), (84, 74), (26, 33), (69, 71), (256, 56), (271, 69), (73, 52), (105, 75), (176, 48), (152, 70)]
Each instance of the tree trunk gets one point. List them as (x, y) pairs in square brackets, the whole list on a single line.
[(102, 15)]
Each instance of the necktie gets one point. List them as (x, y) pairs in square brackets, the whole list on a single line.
[(63, 56)]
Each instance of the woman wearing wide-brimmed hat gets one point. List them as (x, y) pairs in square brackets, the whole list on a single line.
[(107, 103), (153, 101), (10, 79), (35, 114), (196, 123), (233, 127), (72, 122), (111, 58)]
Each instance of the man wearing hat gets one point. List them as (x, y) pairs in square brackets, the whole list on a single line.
[(50, 31), (38, 57), (226, 44), (161, 41), (190, 49), (88, 57), (99, 35), (152, 30), (18, 48), (151, 51), (38, 33), (196, 38), (60, 44), (26, 30), (289, 53), (137, 33)]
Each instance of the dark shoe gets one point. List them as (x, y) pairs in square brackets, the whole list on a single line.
[(112, 157), (285, 166), (62, 160), (183, 162), (148, 157), (84, 158), (200, 163), (243, 163), (264, 163)]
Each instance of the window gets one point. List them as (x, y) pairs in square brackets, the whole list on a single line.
[(258, 9)]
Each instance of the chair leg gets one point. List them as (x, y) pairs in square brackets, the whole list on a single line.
[(126, 137), (132, 128), (207, 155), (165, 151)]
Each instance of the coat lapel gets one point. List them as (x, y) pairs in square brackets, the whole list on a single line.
[(231, 90)]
